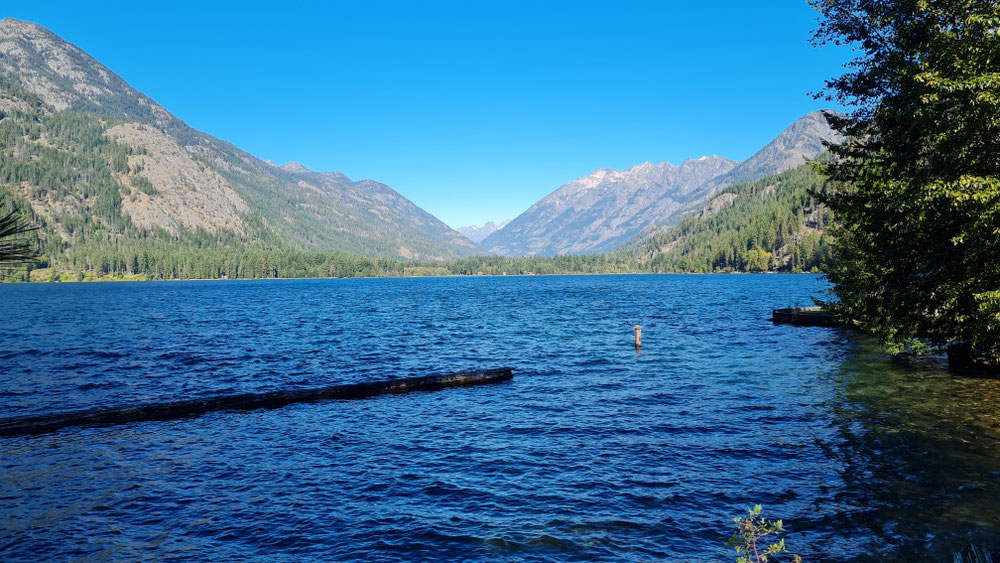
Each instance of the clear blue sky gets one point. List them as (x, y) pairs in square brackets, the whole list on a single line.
[(473, 110)]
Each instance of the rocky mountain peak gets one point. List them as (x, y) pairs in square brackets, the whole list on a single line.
[(64, 76), (803, 138), (478, 234), (701, 160), (295, 167)]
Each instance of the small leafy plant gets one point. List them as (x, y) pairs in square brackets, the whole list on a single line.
[(748, 540)]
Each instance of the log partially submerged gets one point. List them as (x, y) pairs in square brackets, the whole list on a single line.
[(39, 424), (804, 316)]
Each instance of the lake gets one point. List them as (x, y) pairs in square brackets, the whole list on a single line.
[(591, 452)]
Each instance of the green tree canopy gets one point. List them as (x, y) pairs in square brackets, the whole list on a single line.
[(15, 248), (917, 186)]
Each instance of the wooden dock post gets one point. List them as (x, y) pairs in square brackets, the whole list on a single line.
[(638, 337)]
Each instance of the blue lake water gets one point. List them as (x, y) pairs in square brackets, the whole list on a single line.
[(592, 452)]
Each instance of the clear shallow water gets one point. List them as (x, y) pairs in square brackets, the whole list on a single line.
[(592, 451)]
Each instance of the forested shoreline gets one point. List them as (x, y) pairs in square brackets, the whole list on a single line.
[(146, 266), (276, 264)]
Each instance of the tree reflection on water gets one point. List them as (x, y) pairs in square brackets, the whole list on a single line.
[(919, 456)]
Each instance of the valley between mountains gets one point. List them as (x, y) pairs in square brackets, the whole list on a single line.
[(117, 186)]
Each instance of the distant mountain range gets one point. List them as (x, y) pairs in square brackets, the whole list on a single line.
[(478, 234), (100, 164), (608, 208)]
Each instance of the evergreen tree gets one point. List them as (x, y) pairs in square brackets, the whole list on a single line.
[(917, 192)]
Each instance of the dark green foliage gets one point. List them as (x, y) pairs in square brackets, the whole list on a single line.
[(773, 224), (143, 184), (918, 187), (190, 261), (16, 249)]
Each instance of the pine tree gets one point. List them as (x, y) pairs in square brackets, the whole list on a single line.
[(15, 248)]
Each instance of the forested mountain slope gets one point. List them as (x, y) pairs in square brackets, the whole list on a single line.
[(100, 166), (771, 224)]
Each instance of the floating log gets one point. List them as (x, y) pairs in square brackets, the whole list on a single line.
[(39, 424), (804, 316)]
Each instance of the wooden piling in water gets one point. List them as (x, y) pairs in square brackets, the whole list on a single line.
[(38, 424), (638, 336)]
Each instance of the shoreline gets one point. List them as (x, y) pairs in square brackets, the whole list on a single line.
[(127, 280)]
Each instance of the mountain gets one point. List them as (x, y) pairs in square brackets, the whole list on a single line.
[(478, 234), (609, 208), (97, 164), (804, 138), (601, 211)]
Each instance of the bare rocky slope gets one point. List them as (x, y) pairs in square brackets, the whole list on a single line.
[(609, 208), (64, 116)]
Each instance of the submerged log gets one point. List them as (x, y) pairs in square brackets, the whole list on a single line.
[(39, 424), (805, 316)]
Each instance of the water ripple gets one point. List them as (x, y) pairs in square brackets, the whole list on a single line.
[(592, 452)]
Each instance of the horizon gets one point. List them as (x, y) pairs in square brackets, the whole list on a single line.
[(478, 134)]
